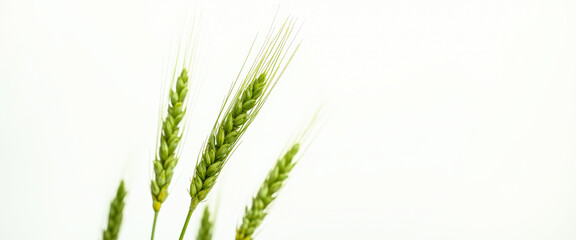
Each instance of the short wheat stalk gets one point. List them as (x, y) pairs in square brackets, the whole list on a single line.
[(206, 226), (115, 215), (166, 157), (242, 110), (254, 215)]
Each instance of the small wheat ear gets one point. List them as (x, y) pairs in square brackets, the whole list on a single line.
[(255, 213), (115, 215), (206, 226)]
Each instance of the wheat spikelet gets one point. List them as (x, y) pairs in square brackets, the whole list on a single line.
[(206, 226), (242, 109), (115, 215), (254, 215)]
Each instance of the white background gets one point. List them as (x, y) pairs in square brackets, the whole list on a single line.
[(445, 119)]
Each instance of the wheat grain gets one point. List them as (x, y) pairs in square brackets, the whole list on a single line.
[(206, 226), (240, 113), (115, 214)]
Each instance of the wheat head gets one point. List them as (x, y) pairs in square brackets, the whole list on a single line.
[(241, 110), (115, 215), (206, 226), (268, 191), (254, 215), (166, 157)]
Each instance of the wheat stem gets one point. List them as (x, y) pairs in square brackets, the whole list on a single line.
[(154, 225), (242, 109), (190, 211), (115, 215)]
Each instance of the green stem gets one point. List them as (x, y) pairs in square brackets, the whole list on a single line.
[(192, 207), (154, 225)]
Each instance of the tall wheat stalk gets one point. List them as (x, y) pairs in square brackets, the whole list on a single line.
[(239, 111), (115, 215)]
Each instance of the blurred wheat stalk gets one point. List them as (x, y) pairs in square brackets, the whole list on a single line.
[(241, 106)]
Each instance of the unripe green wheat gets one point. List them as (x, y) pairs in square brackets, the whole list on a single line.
[(115, 215), (206, 226), (257, 211), (166, 158), (254, 215), (239, 114), (223, 139)]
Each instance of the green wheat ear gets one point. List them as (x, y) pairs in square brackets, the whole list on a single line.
[(168, 143), (254, 215), (257, 211), (166, 157), (115, 215), (206, 226), (241, 110)]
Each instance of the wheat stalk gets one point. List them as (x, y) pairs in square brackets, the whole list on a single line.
[(240, 113), (115, 215), (206, 226), (166, 157)]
